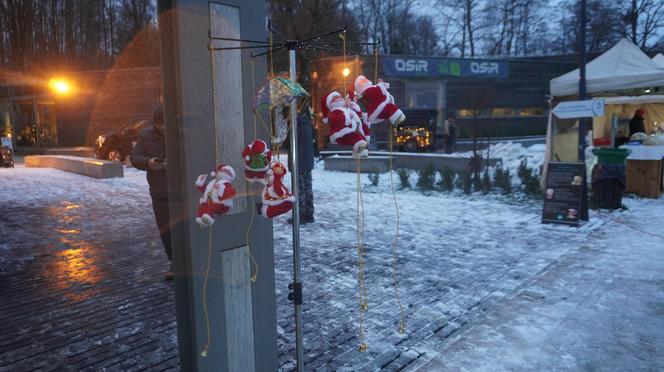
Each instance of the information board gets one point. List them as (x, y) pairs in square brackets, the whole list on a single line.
[(7, 142), (564, 192)]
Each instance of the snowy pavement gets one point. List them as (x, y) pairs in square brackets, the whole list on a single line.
[(599, 308), (484, 285)]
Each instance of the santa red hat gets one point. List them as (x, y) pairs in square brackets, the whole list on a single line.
[(255, 148), (326, 101), (224, 169), (361, 84)]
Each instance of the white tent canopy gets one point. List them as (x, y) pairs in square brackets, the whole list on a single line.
[(624, 66), (659, 60)]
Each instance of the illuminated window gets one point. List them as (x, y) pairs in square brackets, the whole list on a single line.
[(501, 112), (464, 113), (531, 112)]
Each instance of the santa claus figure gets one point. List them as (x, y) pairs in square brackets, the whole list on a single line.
[(257, 159), (345, 124), (277, 199), (217, 196), (355, 106), (377, 101)]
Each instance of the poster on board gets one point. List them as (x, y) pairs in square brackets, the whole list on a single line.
[(564, 192)]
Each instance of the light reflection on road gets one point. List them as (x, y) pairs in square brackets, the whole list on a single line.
[(75, 266)]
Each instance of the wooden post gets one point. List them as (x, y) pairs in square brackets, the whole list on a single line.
[(207, 103)]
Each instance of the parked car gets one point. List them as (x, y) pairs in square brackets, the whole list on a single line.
[(6, 158), (117, 145), (418, 132)]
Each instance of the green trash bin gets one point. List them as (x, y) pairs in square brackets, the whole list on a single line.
[(609, 155)]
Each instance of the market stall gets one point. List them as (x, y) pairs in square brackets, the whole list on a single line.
[(644, 170), (659, 59), (627, 79)]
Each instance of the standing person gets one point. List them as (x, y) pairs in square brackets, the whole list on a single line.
[(450, 134), (637, 125), (149, 155), (305, 164)]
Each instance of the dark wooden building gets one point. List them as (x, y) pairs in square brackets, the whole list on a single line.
[(97, 102)]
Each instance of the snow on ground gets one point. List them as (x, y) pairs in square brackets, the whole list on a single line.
[(459, 258), (599, 308)]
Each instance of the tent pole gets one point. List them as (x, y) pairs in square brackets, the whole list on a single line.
[(582, 81), (583, 122), (297, 284)]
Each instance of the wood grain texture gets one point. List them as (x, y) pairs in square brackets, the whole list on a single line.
[(644, 178), (238, 311), (228, 95)]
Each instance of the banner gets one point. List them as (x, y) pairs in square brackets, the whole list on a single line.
[(443, 67)]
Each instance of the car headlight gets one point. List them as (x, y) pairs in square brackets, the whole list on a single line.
[(100, 141)]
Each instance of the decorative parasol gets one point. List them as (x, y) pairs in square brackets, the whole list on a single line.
[(277, 92)]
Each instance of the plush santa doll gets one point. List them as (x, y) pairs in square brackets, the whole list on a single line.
[(257, 159), (355, 106), (344, 123), (217, 196), (277, 199), (377, 101)]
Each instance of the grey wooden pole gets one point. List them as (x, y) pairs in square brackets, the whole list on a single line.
[(297, 284), (582, 80), (583, 122)]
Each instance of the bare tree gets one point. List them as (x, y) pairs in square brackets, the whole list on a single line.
[(603, 25), (396, 26), (643, 22), (56, 35), (515, 27)]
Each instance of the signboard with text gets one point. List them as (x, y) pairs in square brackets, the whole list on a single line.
[(7, 142), (579, 109), (563, 193), (444, 67)]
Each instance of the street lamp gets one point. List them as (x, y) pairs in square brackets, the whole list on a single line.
[(59, 86), (346, 72)]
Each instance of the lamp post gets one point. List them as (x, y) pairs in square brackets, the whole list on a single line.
[(60, 86)]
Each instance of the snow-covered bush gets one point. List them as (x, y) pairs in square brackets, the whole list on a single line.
[(467, 177), (530, 181), (374, 177), (447, 177), (503, 180), (427, 177), (486, 182), (404, 177)]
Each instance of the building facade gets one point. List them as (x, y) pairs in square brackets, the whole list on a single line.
[(488, 97), (97, 102)]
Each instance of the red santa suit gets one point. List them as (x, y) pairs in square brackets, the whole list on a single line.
[(277, 199), (257, 159), (377, 101), (366, 124), (345, 124), (217, 196)]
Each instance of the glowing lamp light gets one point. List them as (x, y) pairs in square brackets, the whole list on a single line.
[(346, 71), (59, 86)]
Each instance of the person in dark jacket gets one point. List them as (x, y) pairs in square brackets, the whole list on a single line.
[(637, 125), (149, 155), (305, 164)]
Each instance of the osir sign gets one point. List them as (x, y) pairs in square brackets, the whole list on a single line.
[(484, 68), (444, 67), (407, 65)]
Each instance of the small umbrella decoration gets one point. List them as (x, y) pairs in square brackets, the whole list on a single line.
[(275, 94)]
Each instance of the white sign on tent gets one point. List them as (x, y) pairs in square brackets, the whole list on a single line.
[(579, 109)]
